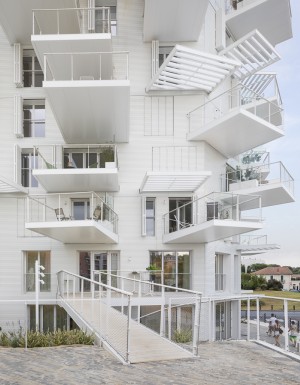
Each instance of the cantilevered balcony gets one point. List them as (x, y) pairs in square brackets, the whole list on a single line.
[(253, 51), (192, 70), (68, 30), (252, 244), (212, 217), (271, 17), (71, 168), (72, 218), (16, 17), (174, 20), (89, 95), (174, 169), (272, 182), (233, 124)]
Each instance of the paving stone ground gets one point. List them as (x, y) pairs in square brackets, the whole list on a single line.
[(226, 363)]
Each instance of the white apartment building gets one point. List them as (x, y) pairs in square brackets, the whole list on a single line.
[(132, 134)]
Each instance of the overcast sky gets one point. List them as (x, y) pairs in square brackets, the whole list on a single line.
[(283, 221)]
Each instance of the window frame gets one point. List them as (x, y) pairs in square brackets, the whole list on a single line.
[(33, 121), (30, 76)]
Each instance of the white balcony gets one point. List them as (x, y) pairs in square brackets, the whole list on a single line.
[(271, 17), (72, 218), (173, 20), (272, 182), (233, 125), (94, 90), (16, 17), (71, 30), (190, 69), (174, 169), (252, 244), (212, 217), (254, 52), (71, 168)]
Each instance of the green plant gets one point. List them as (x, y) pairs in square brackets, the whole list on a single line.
[(182, 336), (151, 267)]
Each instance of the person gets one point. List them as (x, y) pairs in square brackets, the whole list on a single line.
[(277, 329), (271, 324), (293, 333)]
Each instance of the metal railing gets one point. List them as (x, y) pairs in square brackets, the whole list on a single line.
[(174, 158), (166, 302), (83, 156), (104, 309), (58, 207), (253, 157), (233, 5), (86, 66), (253, 239), (71, 21), (222, 104), (221, 206), (268, 174)]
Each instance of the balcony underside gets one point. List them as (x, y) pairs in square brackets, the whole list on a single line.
[(248, 250), (211, 231), (271, 18), (48, 44), (73, 180), (87, 231), (272, 193), (91, 111), (16, 16), (173, 20), (188, 181), (236, 132)]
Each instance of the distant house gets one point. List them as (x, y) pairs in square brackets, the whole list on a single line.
[(282, 274), (295, 284)]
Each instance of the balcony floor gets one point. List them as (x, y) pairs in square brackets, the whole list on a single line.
[(236, 132), (211, 231), (87, 231)]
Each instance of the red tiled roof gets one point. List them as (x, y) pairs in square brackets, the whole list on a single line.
[(284, 270)]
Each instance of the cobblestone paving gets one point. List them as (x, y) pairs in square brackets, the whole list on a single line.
[(226, 363)]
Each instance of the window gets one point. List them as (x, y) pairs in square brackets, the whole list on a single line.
[(29, 161), (52, 317), (180, 213), (150, 216), (33, 118), (163, 54), (100, 23), (175, 267), (43, 258), (81, 209), (32, 71), (219, 276)]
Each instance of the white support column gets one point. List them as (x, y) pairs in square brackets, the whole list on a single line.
[(248, 319), (286, 325), (257, 320)]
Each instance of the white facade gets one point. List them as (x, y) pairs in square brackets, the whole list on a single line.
[(105, 90)]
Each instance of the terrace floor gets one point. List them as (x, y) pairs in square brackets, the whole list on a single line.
[(226, 363)]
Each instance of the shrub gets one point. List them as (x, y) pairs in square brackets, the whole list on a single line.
[(182, 336), (37, 339)]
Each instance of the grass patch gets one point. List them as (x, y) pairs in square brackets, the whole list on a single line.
[(182, 336), (37, 339), (276, 304)]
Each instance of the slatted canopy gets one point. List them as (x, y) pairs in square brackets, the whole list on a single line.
[(188, 181), (190, 69), (254, 52), (256, 84), (7, 186)]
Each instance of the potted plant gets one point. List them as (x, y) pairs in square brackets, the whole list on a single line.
[(151, 268)]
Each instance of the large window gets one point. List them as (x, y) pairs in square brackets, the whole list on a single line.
[(34, 118), (219, 277), (100, 24), (28, 163), (43, 258), (52, 317), (175, 267), (32, 71), (180, 213)]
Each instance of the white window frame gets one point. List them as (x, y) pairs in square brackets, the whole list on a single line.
[(34, 120)]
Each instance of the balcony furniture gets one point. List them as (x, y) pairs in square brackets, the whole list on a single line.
[(97, 213), (60, 215)]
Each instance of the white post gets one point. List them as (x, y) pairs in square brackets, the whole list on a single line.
[(37, 290), (248, 319), (257, 319), (286, 325), (162, 312)]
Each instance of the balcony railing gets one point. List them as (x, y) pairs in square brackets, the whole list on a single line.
[(221, 206), (218, 107), (63, 207), (253, 239), (86, 66), (272, 173), (72, 21), (220, 282), (82, 156), (254, 158)]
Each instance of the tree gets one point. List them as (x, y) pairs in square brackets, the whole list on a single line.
[(253, 282), (273, 284)]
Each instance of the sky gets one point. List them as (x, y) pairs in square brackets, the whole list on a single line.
[(283, 221)]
